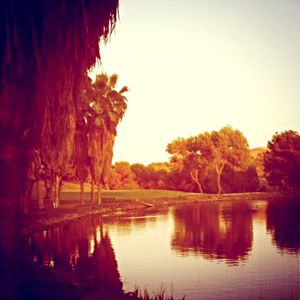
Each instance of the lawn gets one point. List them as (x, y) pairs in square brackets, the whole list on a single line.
[(71, 192)]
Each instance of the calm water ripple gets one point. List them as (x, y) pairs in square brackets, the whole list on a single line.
[(216, 250)]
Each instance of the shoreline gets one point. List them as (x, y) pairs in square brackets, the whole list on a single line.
[(113, 206)]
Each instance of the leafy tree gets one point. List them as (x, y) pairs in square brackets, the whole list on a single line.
[(240, 181), (282, 160), (180, 180), (139, 173), (122, 177), (210, 151), (153, 176), (228, 147), (257, 160), (184, 157)]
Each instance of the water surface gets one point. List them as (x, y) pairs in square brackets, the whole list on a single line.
[(212, 250)]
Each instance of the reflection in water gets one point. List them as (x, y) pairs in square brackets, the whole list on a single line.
[(214, 231), (283, 222), (126, 224), (147, 248), (81, 248)]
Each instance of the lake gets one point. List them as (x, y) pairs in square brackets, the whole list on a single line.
[(211, 250)]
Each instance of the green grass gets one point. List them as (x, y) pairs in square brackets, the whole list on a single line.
[(143, 194), (71, 192)]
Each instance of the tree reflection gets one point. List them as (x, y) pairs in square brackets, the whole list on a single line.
[(283, 222), (139, 221), (214, 231), (83, 249)]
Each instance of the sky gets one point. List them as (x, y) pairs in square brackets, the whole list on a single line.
[(194, 66)]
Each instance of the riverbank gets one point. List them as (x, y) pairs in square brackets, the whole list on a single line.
[(120, 202)]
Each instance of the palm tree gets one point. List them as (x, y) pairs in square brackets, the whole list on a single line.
[(109, 106), (46, 47), (40, 73)]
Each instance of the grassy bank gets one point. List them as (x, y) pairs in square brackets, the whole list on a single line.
[(118, 202)]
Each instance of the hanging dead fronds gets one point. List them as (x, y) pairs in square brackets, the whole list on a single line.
[(46, 48)]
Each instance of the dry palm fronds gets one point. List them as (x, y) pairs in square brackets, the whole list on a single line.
[(46, 47)]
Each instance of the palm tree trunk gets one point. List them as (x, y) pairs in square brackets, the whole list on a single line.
[(51, 195), (40, 200), (11, 197), (56, 191), (99, 197), (60, 188), (81, 192), (24, 204), (92, 191)]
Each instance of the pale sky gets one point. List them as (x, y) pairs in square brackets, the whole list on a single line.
[(195, 66)]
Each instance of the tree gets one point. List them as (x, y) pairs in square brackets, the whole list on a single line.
[(84, 116), (122, 176), (152, 176), (108, 107), (242, 181), (139, 173), (257, 157), (282, 160), (228, 147), (46, 47), (185, 158), (210, 151)]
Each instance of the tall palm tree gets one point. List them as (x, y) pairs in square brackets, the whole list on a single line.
[(110, 105), (45, 49)]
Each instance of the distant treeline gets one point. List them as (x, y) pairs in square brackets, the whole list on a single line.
[(217, 162)]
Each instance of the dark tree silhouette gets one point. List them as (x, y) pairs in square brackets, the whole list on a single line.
[(46, 48), (282, 160)]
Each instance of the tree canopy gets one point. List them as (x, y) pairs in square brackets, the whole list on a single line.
[(210, 151), (102, 108), (46, 48), (282, 160)]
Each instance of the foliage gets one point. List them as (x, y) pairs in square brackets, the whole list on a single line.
[(138, 294), (46, 47), (282, 160), (121, 177), (210, 152), (257, 160), (108, 107), (181, 180), (240, 181), (152, 176), (99, 112)]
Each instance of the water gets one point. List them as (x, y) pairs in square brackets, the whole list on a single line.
[(215, 250)]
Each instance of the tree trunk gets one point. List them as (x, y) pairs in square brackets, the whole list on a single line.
[(24, 204), (52, 192), (60, 188), (40, 200), (81, 192), (196, 179), (48, 183), (219, 173), (11, 195), (56, 191), (92, 192), (99, 197)]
